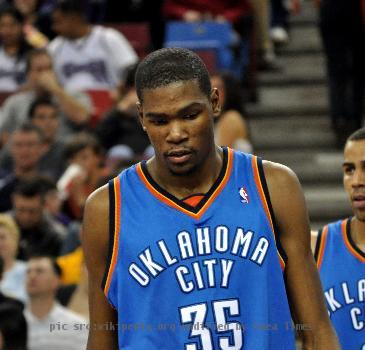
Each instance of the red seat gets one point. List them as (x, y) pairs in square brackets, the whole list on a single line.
[(4, 95), (102, 101), (137, 33), (209, 57)]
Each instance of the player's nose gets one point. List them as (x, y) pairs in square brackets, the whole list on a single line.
[(359, 178), (177, 132)]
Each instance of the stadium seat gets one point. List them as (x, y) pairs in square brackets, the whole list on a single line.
[(4, 95), (137, 33), (208, 36), (102, 101)]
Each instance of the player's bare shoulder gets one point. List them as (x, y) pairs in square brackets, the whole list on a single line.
[(277, 174), (96, 217)]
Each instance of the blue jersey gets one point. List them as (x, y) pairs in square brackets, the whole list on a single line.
[(205, 277), (342, 270)]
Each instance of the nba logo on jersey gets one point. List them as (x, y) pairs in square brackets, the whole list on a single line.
[(243, 194)]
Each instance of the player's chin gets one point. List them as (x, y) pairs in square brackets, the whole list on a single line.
[(181, 169), (360, 215)]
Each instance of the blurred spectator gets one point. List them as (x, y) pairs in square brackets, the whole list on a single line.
[(266, 59), (71, 265), (13, 328), (121, 124), (44, 114), (41, 81), (75, 296), (51, 326), (280, 13), (230, 126), (39, 234), (53, 203), (87, 57), (37, 21), (85, 156), (4, 298), (13, 281), (26, 150), (120, 157), (343, 35), (13, 49)]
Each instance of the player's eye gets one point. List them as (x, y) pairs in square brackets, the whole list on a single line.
[(191, 115), (348, 170), (159, 121)]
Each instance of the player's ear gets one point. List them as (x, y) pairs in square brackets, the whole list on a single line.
[(140, 114), (214, 99)]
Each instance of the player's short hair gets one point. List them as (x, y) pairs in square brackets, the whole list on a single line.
[(358, 135), (170, 65)]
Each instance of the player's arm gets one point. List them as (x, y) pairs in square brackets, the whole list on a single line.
[(302, 281), (95, 242)]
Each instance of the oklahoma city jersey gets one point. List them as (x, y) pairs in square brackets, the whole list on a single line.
[(205, 278), (342, 270)]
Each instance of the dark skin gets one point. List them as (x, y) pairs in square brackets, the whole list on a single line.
[(353, 168), (179, 121), (354, 184)]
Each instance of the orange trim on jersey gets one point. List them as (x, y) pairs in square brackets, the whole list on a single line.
[(117, 201), (171, 203), (264, 202), (348, 244), (193, 201), (322, 246)]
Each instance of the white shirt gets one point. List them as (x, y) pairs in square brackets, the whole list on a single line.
[(12, 71), (13, 282), (61, 329), (94, 62)]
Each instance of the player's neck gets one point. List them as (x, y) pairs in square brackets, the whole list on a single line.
[(358, 233), (198, 182)]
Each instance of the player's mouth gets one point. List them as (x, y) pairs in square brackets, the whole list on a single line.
[(178, 156), (358, 201)]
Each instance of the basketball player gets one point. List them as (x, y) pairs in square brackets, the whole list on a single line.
[(340, 253), (200, 247)]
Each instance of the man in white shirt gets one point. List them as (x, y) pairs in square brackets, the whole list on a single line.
[(50, 325), (87, 57)]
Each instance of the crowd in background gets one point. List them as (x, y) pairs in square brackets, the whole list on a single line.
[(57, 146)]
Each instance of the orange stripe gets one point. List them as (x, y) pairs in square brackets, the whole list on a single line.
[(117, 201), (264, 202), (322, 246), (348, 244), (171, 203)]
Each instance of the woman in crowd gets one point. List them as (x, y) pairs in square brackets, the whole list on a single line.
[(231, 127), (13, 49), (13, 282)]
